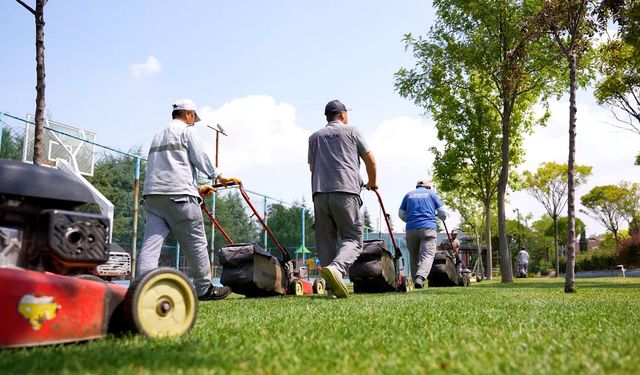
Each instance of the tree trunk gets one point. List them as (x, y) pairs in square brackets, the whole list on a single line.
[(38, 150), (555, 244), (570, 283), (487, 225), (505, 253)]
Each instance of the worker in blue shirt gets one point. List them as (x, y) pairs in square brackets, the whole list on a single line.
[(419, 209)]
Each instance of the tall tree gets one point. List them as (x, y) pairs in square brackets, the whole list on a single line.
[(606, 204), (481, 47), (38, 14), (470, 161), (572, 25), (548, 185)]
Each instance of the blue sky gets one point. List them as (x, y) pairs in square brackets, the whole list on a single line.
[(264, 70)]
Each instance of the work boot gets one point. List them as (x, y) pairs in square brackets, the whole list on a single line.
[(215, 293), (418, 282), (333, 277)]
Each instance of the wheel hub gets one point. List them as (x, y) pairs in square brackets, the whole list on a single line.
[(164, 307)]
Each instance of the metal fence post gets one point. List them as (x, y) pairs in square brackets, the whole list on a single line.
[(213, 233), (303, 247), (178, 256), (1, 129), (136, 208), (264, 215)]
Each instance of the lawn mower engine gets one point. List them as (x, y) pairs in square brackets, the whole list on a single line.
[(50, 253), (40, 227)]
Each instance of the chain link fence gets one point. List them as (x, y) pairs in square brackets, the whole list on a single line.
[(119, 176)]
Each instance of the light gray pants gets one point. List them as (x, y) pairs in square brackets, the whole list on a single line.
[(338, 214), (182, 216), (422, 249)]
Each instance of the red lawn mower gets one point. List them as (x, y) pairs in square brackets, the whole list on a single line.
[(50, 253)]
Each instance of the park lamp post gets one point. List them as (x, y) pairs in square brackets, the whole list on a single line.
[(219, 130), (519, 234)]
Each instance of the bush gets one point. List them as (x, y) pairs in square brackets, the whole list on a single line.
[(629, 252), (544, 267), (598, 259)]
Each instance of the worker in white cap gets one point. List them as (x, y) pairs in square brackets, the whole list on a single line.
[(172, 198), (419, 209)]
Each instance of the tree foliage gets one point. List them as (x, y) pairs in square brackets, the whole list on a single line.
[(12, 144), (114, 177), (562, 229), (619, 61), (548, 185), (606, 204), (478, 60), (286, 224)]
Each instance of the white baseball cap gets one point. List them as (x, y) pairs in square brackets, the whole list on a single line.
[(186, 104)]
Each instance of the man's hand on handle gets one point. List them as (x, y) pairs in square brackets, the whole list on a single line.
[(231, 180), (206, 190), (371, 186)]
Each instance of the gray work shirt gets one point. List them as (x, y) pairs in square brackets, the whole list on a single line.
[(175, 156), (334, 157)]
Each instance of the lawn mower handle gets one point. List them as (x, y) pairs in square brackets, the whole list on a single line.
[(396, 249), (454, 250), (285, 255)]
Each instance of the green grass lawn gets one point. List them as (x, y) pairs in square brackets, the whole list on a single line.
[(528, 327)]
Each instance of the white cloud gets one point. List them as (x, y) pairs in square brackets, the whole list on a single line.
[(267, 149), (148, 68)]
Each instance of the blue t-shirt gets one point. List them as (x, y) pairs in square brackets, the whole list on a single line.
[(420, 206)]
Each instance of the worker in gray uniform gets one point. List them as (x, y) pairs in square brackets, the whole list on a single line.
[(172, 198), (334, 159)]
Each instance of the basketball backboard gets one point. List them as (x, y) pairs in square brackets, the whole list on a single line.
[(62, 141)]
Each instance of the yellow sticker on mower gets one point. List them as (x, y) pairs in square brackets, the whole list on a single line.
[(37, 310)]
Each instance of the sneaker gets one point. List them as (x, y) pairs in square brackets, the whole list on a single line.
[(418, 283), (333, 277), (215, 293)]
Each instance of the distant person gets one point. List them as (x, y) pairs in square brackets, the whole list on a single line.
[(523, 262), (419, 209), (334, 159), (172, 198), (445, 245)]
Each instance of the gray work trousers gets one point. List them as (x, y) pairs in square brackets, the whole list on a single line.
[(422, 249), (338, 214), (182, 216)]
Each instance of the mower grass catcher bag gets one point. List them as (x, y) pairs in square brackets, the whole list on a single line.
[(249, 270), (374, 270), (447, 271)]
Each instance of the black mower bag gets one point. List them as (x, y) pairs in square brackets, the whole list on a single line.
[(374, 271), (251, 271)]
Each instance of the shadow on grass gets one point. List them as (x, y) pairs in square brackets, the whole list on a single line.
[(111, 355)]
